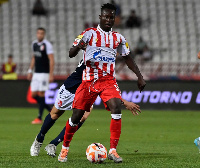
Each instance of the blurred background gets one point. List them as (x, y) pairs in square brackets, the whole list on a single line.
[(163, 36)]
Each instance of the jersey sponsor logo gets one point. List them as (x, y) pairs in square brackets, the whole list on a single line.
[(97, 57), (37, 54)]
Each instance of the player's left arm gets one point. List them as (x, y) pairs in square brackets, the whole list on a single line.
[(124, 51), (134, 108), (51, 61), (133, 66), (51, 67)]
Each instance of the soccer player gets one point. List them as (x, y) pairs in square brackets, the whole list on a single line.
[(102, 45), (63, 102), (43, 61)]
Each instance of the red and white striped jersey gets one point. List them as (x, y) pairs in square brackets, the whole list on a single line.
[(100, 54)]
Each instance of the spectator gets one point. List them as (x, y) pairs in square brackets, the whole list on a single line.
[(38, 8), (117, 14), (8, 69), (133, 20), (143, 50)]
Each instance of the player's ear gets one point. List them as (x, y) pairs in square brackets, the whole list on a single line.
[(99, 16)]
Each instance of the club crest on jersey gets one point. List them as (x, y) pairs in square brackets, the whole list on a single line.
[(98, 57), (41, 47)]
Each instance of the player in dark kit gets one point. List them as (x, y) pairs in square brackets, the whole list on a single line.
[(43, 62), (101, 46), (63, 102)]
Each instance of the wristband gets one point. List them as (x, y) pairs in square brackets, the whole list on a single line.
[(30, 71)]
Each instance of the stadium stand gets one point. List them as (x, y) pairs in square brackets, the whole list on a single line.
[(171, 28)]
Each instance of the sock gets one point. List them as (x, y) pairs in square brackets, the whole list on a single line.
[(48, 123), (111, 149), (63, 147), (80, 124), (41, 107), (41, 103), (69, 132), (115, 130), (46, 106), (59, 138)]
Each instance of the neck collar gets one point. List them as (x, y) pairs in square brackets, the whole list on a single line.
[(39, 43), (100, 29)]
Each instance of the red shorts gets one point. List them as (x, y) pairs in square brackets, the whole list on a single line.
[(88, 91)]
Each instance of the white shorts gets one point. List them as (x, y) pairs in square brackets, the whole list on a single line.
[(40, 82), (64, 99)]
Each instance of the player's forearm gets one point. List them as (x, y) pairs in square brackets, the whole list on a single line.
[(32, 63), (73, 51), (51, 68), (132, 66), (51, 64)]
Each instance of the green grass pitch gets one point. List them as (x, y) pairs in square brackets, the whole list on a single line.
[(154, 139)]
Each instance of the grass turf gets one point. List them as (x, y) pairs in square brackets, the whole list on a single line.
[(153, 139)]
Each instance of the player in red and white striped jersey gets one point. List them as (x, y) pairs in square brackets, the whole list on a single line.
[(100, 46), (101, 51)]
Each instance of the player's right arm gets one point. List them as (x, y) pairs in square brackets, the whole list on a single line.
[(30, 70), (80, 43), (75, 49)]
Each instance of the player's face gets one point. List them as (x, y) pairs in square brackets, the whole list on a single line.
[(40, 35), (107, 19)]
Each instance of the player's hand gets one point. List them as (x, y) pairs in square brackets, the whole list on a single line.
[(141, 83), (82, 45), (29, 76), (134, 108), (51, 78)]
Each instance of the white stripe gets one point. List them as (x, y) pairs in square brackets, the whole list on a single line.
[(111, 40), (94, 42), (84, 74), (87, 73), (96, 76), (108, 68)]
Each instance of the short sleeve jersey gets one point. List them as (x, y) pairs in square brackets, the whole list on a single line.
[(100, 54), (41, 50)]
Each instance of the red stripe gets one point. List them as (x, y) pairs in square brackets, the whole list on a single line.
[(105, 67), (90, 42), (111, 69), (98, 44), (108, 45), (114, 40), (100, 72)]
